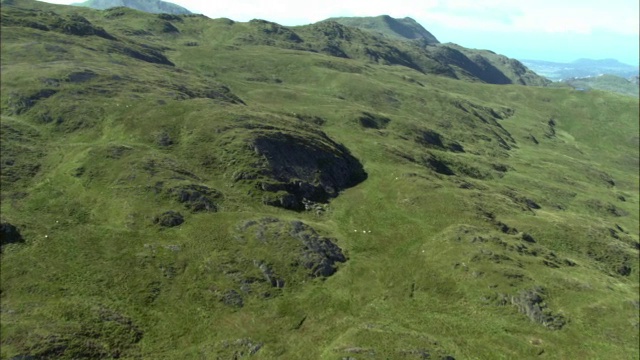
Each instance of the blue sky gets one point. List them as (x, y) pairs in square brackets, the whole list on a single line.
[(553, 30)]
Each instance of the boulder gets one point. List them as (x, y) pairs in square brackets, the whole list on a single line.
[(169, 219), (197, 198)]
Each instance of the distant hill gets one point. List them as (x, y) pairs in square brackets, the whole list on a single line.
[(607, 83), (420, 50), (486, 65), (605, 63), (150, 6), (405, 28), (581, 68)]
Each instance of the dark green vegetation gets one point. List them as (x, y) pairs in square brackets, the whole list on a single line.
[(607, 83), (177, 187), (150, 6), (581, 68)]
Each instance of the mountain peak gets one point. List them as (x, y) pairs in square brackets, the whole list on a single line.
[(150, 6), (404, 28)]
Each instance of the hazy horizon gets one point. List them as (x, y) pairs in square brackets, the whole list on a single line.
[(547, 30)]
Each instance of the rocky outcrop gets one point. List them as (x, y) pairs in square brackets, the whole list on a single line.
[(197, 198), (238, 349), (295, 168), (9, 234), (531, 303), (169, 219), (290, 245)]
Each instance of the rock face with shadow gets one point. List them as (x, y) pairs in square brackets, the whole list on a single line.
[(295, 168), (9, 234)]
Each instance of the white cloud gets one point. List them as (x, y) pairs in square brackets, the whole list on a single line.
[(548, 16)]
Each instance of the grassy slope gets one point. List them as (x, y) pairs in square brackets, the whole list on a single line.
[(409, 284)]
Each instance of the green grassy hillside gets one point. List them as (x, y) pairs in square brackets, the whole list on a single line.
[(178, 187)]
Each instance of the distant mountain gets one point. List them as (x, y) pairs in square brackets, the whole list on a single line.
[(606, 63), (405, 28), (581, 68), (607, 83), (150, 6)]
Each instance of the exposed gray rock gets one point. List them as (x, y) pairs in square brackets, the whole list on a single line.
[(424, 354), (239, 349), (319, 254), (169, 219), (531, 303), (269, 275), (232, 298), (359, 350), (196, 198), (292, 244)]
